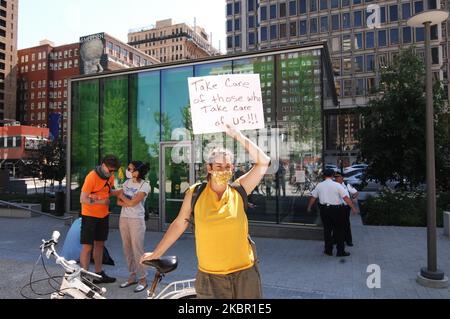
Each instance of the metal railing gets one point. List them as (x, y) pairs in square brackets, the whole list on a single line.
[(25, 207)]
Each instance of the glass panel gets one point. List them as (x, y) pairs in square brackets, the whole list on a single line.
[(263, 199), (176, 177), (175, 107), (114, 124), (145, 129), (85, 136), (299, 135)]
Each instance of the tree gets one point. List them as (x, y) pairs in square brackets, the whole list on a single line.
[(392, 140)]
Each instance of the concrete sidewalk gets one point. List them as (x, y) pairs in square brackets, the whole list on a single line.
[(290, 268)]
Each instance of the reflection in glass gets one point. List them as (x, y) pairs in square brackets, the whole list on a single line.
[(145, 134), (114, 137), (85, 132)]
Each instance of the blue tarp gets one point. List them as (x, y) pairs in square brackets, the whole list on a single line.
[(72, 247)]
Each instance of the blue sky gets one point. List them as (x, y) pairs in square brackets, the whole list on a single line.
[(64, 21)]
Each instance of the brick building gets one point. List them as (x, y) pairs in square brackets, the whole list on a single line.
[(43, 82), (8, 58), (44, 72)]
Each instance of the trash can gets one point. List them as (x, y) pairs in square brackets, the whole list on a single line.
[(60, 201)]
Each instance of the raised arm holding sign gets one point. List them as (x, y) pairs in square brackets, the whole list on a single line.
[(233, 99)]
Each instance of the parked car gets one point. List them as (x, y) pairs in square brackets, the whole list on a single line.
[(356, 167), (332, 166)]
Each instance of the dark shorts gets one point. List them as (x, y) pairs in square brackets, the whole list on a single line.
[(93, 229)]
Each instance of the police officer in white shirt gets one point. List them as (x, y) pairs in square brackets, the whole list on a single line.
[(330, 195), (352, 193)]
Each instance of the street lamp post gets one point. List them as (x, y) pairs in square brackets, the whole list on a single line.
[(430, 276)]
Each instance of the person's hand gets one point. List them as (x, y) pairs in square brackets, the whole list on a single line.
[(147, 257), (355, 211), (232, 131)]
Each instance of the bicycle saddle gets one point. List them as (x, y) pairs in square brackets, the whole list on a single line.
[(164, 265)]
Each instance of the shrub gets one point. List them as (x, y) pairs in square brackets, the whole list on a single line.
[(402, 208)]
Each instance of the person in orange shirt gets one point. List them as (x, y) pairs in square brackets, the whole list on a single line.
[(97, 188), (227, 264)]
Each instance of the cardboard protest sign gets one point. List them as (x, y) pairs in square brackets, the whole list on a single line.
[(226, 99)]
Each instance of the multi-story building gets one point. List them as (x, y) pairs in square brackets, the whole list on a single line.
[(45, 70), (102, 52), (8, 58), (168, 41), (363, 36)]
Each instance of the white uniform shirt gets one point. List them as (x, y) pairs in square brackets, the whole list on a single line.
[(130, 190), (329, 192), (349, 190)]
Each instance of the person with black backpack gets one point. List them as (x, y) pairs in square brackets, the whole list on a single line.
[(227, 261)]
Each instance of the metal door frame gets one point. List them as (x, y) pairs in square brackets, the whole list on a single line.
[(162, 180)]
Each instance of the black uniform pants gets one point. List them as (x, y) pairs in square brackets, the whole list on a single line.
[(347, 227), (333, 220)]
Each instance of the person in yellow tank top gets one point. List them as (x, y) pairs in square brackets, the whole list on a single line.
[(227, 268)]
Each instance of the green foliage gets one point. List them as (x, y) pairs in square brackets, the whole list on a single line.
[(401, 208), (393, 139)]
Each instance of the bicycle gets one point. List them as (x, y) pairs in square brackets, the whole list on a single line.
[(78, 283)]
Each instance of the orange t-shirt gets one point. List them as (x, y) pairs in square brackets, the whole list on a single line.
[(96, 186)]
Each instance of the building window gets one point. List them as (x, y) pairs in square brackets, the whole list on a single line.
[(383, 14), (346, 42), (335, 22), (359, 88), (237, 7), (407, 35), (406, 11), (292, 8), (347, 88), (370, 62), (418, 7), (370, 40), (334, 4), (237, 24), (293, 29), (393, 13), (357, 19), (251, 38), (346, 20), (313, 5), (324, 24), (323, 4), (313, 25), (393, 36), (229, 25), (282, 10), (273, 11), (273, 32), (283, 30), (263, 13), (359, 63), (382, 38), (345, 3), (263, 33), (229, 9), (359, 41), (250, 5), (302, 27), (302, 6), (251, 21), (420, 34)]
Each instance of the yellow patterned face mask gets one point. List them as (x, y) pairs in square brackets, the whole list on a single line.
[(221, 177)]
